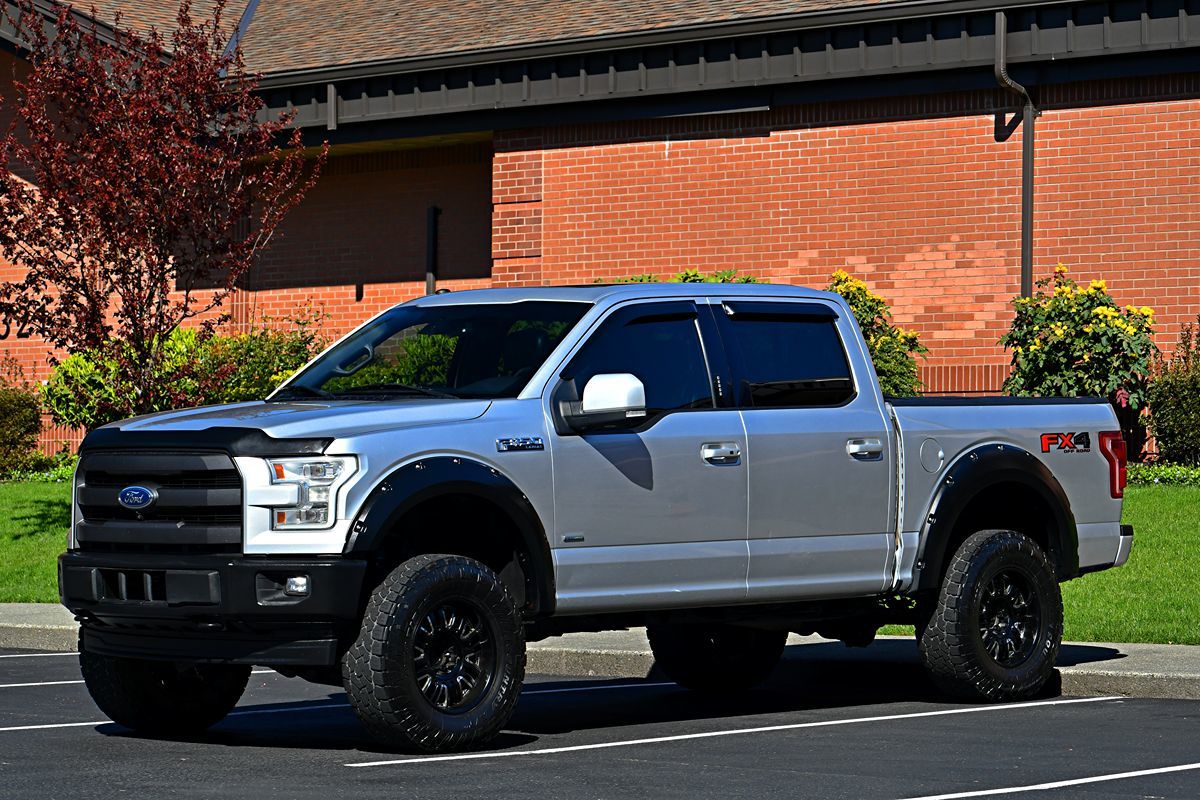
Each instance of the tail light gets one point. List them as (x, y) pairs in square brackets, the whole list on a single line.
[(1112, 446)]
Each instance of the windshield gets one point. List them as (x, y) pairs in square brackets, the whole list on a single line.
[(477, 351)]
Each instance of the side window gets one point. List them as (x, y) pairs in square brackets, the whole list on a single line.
[(662, 350), (789, 359)]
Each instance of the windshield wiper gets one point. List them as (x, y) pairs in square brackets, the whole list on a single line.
[(394, 388), (301, 391)]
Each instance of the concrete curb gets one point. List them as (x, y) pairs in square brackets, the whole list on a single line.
[(582, 663), (1129, 684), (1085, 670), (45, 638)]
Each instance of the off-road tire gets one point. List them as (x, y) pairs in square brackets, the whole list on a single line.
[(952, 643), (715, 658), (384, 667), (162, 697)]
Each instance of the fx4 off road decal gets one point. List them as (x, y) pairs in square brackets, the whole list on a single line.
[(1080, 442)]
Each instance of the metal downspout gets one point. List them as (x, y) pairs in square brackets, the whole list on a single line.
[(1028, 114)]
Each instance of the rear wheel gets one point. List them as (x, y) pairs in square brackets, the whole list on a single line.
[(439, 660), (162, 697), (712, 658), (996, 629)]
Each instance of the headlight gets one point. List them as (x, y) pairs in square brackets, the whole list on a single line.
[(317, 481)]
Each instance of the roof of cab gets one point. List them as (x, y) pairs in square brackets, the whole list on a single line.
[(597, 293)]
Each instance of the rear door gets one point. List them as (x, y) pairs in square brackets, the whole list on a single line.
[(819, 456)]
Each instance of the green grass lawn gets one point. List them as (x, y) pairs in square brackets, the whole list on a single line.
[(33, 532), (1153, 598)]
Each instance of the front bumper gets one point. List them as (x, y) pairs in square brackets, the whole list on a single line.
[(222, 609)]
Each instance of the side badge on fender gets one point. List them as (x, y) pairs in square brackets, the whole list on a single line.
[(1073, 442), (519, 443)]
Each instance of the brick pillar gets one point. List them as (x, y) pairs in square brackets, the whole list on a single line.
[(517, 209)]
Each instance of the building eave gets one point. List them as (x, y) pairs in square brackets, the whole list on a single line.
[(780, 57)]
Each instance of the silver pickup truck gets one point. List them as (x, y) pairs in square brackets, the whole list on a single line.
[(467, 472)]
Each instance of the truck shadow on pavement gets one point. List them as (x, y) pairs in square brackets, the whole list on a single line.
[(811, 677)]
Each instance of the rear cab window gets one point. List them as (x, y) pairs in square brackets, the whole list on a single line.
[(786, 354)]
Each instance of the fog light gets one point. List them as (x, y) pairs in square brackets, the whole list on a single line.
[(296, 586)]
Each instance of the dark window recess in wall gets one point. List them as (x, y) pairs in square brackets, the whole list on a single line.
[(365, 221)]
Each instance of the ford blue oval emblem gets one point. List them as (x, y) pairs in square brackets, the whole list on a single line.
[(137, 498)]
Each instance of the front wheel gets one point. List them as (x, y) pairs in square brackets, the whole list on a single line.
[(995, 631), (162, 697), (440, 658), (715, 658)]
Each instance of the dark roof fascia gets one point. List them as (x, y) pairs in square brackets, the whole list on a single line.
[(49, 10), (911, 9)]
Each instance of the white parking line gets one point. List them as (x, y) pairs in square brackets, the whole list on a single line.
[(55, 725), (68, 683), (247, 713), (1040, 787), (563, 689), (40, 683), (39, 655), (734, 732)]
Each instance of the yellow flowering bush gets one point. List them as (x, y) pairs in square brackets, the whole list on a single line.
[(1072, 341), (893, 349)]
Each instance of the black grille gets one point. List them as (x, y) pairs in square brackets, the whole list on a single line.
[(198, 506), (158, 549), (217, 479), (211, 515)]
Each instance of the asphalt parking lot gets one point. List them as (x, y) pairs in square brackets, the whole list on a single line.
[(854, 731)]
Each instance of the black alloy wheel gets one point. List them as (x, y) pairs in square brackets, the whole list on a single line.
[(454, 656), (1010, 618)]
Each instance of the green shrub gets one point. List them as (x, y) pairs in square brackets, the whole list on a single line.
[(91, 388), (689, 276), (41, 468), (1163, 473), (1068, 341), (253, 364), (20, 426), (1175, 401), (80, 388), (893, 349)]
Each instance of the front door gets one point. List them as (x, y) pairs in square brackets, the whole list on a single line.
[(652, 515)]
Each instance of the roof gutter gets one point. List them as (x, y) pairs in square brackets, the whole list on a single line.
[(904, 9)]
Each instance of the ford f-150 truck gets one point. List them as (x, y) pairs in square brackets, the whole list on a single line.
[(467, 472)]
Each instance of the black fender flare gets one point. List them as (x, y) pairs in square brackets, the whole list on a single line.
[(977, 470), (428, 478)]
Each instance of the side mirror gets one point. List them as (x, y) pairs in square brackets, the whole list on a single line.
[(611, 400)]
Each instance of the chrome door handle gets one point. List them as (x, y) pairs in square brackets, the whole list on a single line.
[(864, 449), (721, 453)]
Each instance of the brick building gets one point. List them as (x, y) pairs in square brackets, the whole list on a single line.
[(569, 142)]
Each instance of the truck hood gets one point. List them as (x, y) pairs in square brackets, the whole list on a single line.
[(311, 418)]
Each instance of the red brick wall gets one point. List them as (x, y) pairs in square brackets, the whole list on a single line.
[(926, 210), (357, 243)]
